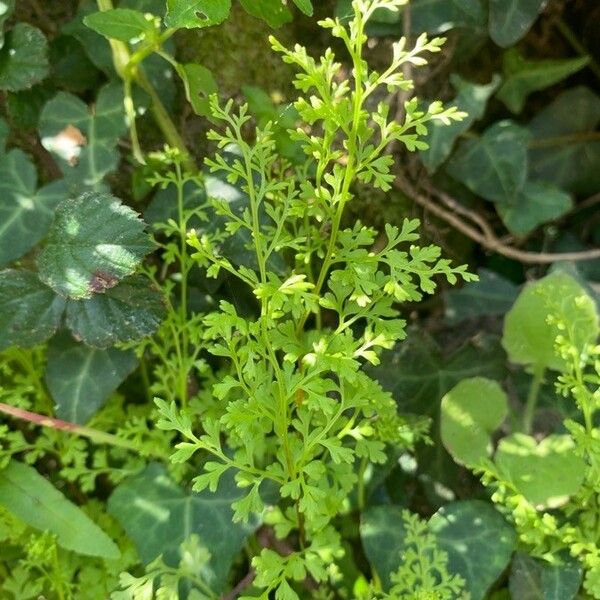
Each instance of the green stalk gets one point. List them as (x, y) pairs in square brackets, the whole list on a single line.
[(534, 389)]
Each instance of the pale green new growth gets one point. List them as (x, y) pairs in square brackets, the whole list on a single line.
[(295, 408)]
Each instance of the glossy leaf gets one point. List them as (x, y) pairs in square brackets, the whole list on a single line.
[(121, 24), (511, 19), (84, 140), (94, 242), (546, 473), (532, 579), (25, 212), (470, 413), (528, 337), (23, 58), (196, 13), (537, 203), (564, 152), (30, 312), (438, 16), (81, 379), (495, 165), (491, 295), (472, 99), (478, 540), (522, 76), (418, 376), (128, 312), (34, 500), (382, 534), (158, 516)]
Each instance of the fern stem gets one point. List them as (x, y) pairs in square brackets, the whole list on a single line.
[(532, 397)]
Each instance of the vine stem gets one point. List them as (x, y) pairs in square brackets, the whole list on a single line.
[(100, 437), (572, 39), (532, 397), (486, 239)]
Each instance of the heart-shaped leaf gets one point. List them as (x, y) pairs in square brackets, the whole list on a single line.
[(528, 337), (23, 58), (532, 579), (547, 474), (25, 212), (158, 516), (470, 413), (511, 19), (81, 379), (84, 140), (537, 203), (574, 166), (94, 242), (495, 165), (472, 99), (33, 499), (128, 312), (30, 312), (478, 540), (521, 76), (196, 13), (382, 534)]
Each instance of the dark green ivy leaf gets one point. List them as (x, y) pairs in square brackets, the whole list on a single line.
[(23, 58), (30, 312), (158, 516), (128, 312), (495, 165), (537, 203), (84, 140), (478, 540), (563, 152), (491, 295), (472, 99), (382, 534), (418, 376), (522, 76), (511, 19), (94, 242), (532, 579), (25, 212), (81, 379)]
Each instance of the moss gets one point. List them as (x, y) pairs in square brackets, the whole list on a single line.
[(238, 53)]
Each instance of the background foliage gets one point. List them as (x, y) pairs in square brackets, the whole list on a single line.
[(490, 472)]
